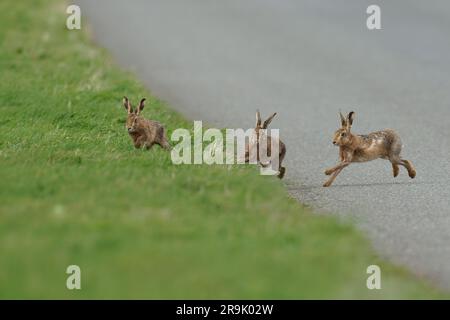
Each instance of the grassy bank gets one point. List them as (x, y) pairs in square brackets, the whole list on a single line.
[(73, 190)]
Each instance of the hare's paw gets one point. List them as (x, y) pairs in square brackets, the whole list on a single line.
[(410, 168), (281, 172), (327, 184), (395, 170), (329, 171)]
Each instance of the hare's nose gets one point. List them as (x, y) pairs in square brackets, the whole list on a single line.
[(334, 142)]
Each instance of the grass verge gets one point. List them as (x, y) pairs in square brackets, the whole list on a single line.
[(73, 190)]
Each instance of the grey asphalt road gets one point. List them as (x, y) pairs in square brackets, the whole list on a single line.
[(218, 61)]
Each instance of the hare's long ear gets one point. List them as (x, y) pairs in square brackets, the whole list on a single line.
[(258, 119), (343, 121), (350, 118), (141, 106), (268, 121), (127, 105)]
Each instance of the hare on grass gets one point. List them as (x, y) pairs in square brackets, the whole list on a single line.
[(144, 132)]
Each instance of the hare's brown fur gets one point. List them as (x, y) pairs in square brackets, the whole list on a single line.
[(260, 136), (385, 144), (144, 132)]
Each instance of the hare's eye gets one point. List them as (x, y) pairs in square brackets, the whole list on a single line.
[(343, 134)]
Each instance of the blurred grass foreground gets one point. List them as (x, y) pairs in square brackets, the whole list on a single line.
[(74, 191)]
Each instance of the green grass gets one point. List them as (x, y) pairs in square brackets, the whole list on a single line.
[(73, 190)]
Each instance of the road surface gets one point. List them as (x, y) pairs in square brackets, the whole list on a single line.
[(218, 61)]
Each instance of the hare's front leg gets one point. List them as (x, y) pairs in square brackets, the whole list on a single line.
[(138, 141), (148, 145), (330, 171), (337, 169), (345, 157), (142, 142)]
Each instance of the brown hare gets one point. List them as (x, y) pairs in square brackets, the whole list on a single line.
[(384, 144), (260, 136), (144, 133)]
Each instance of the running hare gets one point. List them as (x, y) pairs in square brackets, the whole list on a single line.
[(384, 144), (260, 136), (144, 133)]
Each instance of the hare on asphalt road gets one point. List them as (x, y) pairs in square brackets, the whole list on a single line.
[(385, 144)]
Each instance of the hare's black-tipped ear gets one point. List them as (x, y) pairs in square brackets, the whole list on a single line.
[(269, 120), (258, 118), (350, 118), (343, 121), (127, 105), (141, 106)]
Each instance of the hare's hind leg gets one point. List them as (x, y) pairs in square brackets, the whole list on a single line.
[(165, 144), (409, 166), (281, 169), (396, 160), (281, 173), (395, 169), (163, 141), (405, 163)]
